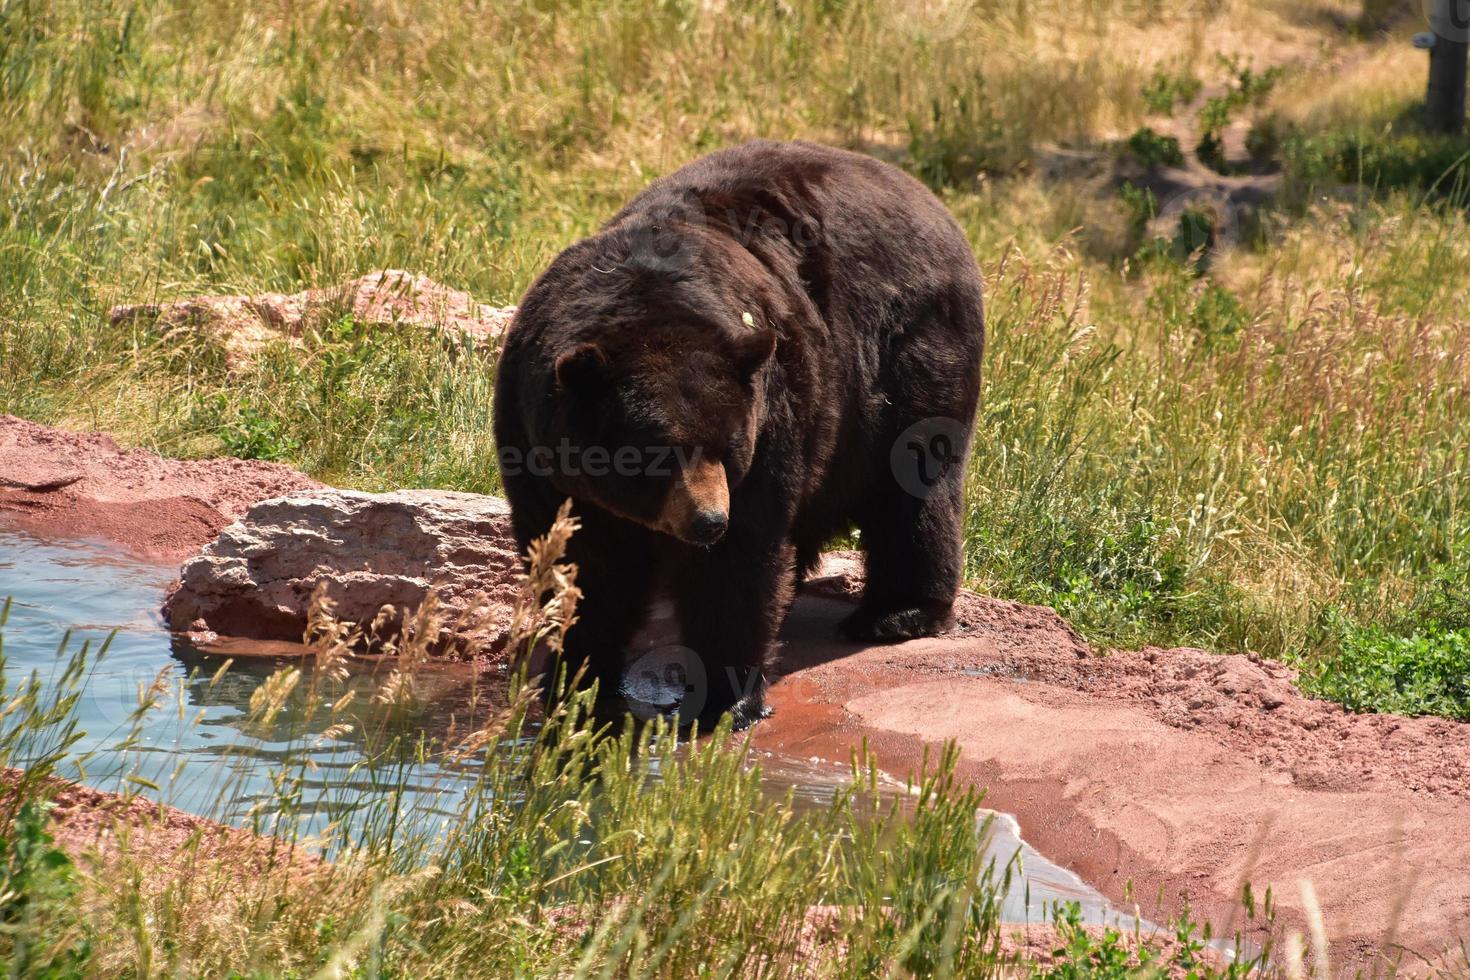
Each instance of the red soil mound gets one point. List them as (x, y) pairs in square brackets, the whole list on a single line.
[(1185, 773), (82, 485)]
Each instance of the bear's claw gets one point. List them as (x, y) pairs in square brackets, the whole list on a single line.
[(865, 625)]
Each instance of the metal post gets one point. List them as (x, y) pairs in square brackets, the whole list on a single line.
[(1444, 108)]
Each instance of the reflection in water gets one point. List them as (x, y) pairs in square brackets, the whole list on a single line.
[(202, 749), (201, 746)]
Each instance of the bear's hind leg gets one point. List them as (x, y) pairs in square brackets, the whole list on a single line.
[(914, 547)]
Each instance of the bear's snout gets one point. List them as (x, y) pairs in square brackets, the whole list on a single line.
[(697, 510), (709, 526)]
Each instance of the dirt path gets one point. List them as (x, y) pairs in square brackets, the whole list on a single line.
[(1182, 772)]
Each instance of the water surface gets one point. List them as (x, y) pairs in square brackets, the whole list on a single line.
[(199, 749)]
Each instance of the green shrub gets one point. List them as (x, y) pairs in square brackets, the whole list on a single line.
[(1442, 602), (1423, 673), (39, 932), (1246, 88), (1219, 316), (1165, 90), (961, 138), (1153, 148), (1106, 955), (1263, 142), (1143, 207), (253, 435), (1383, 161)]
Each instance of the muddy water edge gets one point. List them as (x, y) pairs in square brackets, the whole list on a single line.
[(201, 749)]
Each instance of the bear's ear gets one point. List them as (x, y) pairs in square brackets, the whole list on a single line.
[(581, 369), (753, 350)]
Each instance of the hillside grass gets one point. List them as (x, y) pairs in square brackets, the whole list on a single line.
[(1262, 447)]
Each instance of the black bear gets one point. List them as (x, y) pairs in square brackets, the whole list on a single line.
[(763, 349)]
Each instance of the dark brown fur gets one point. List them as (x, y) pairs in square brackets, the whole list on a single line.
[(791, 312)]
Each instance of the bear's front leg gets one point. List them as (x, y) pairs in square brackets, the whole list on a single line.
[(732, 599), (614, 572)]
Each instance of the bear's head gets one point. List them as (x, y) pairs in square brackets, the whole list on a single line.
[(659, 420), (656, 391)]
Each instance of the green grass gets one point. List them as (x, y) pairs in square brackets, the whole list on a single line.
[(1401, 157), (576, 852), (1212, 451)]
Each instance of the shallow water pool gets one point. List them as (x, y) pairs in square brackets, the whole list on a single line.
[(200, 749)]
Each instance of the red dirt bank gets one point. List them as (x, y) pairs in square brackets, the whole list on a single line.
[(1183, 772), (81, 484)]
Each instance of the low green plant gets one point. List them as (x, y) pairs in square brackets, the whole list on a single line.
[(1142, 205), (1264, 140), (1392, 159), (1219, 316), (1424, 672), (40, 932), (1087, 953), (960, 139), (253, 435), (1167, 89), (1154, 149), (1246, 87)]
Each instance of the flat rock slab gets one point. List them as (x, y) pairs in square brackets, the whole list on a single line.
[(245, 324), (370, 550), (82, 484)]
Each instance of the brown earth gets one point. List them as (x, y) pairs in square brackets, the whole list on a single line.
[(87, 821), (1181, 772), (82, 485)]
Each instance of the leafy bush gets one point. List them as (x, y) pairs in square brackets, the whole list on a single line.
[(1423, 673), (1153, 148), (1219, 316), (1142, 205), (1164, 90), (1263, 142), (1108, 955), (1247, 87), (254, 435), (961, 138), (39, 934), (1442, 603)]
